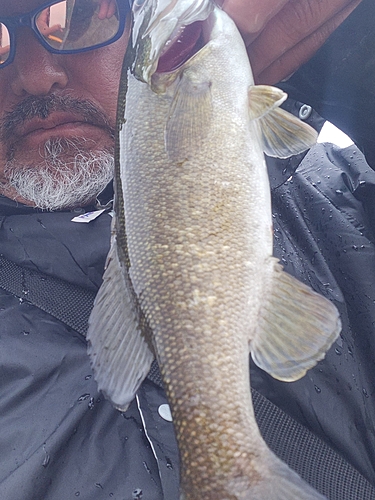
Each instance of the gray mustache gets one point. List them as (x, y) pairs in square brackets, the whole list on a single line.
[(42, 106)]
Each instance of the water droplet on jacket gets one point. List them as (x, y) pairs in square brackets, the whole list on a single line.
[(91, 403), (318, 389), (83, 397), (88, 377), (147, 467), (77, 493), (98, 485), (137, 494), (46, 459), (169, 463), (354, 247), (338, 352), (338, 191), (365, 393), (25, 332), (41, 223)]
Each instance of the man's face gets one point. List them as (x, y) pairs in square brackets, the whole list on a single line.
[(55, 109)]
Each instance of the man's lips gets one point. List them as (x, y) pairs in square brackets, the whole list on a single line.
[(36, 118), (55, 123), (32, 133)]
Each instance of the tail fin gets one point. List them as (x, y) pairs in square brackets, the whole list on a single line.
[(273, 480), (282, 483)]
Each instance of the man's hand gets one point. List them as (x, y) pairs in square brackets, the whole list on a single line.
[(281, 35)]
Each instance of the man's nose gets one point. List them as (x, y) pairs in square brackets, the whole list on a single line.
[(36, 71)]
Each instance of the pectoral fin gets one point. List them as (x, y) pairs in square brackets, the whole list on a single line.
[(189, 116), (296, 328), (282, 133), (119, 352)]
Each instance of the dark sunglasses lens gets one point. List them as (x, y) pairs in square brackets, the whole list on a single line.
[(4, 43), (78, 24)]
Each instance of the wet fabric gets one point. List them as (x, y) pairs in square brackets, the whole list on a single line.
[(68, 303), (59, 438)]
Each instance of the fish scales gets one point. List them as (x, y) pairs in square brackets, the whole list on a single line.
[(191, 258), (197, 239)]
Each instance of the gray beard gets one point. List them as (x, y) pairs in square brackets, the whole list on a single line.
[(69, 175)]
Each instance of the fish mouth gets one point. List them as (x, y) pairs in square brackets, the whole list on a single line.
[(181, 47)]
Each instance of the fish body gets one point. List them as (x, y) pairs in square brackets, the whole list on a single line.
[(190, 276)]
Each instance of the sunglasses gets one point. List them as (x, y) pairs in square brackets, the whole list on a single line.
[(66, 26)]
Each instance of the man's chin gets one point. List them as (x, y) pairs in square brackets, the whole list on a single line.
[(51, 203), (58, 182)]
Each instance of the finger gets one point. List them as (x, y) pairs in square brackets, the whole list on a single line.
[(302, 25), (112, 9), (251, 15), (107, 9)]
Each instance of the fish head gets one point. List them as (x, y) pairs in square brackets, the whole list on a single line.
[(166, 33)]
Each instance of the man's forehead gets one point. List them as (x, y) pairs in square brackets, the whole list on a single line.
[(10, 7)]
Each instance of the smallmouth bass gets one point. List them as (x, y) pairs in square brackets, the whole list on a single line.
[(190, 276)]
